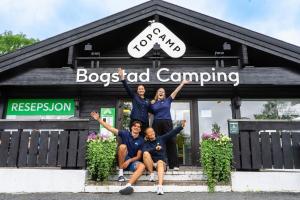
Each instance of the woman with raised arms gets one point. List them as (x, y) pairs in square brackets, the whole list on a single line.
[(140, 104), (162, 123)]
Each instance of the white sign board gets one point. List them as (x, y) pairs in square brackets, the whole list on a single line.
[(160, 34)]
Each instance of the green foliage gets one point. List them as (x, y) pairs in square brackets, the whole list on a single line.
[(10, 42), (216, 156), (215, 128), (100, 158), (276, 110), (127, 107)]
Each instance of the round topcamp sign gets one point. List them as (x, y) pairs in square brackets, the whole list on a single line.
[(156, 33)]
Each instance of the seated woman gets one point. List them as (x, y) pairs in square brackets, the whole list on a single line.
[(154, 153)]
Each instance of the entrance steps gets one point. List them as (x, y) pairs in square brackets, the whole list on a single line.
[(170, 175), (187, 179)]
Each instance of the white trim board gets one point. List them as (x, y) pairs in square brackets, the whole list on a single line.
[(265, 181), (15, 180)]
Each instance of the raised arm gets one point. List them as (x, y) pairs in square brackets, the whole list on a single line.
[(124, 82), (173, 132), (179, 87), (104, 124)]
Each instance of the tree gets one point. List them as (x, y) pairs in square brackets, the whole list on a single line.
[(10, 42), (277, 110)]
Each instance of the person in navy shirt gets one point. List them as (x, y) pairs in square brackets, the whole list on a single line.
[(129, 152), (154, 152), (140, 104), (162, 123)]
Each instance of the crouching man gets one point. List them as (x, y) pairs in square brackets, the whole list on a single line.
[(129, 152), (154, 153)]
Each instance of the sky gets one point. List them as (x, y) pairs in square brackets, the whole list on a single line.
[(46, 18)]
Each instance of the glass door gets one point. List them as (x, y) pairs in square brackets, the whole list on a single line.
[(180, 111)]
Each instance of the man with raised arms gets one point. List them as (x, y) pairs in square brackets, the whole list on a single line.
[(129, 152)]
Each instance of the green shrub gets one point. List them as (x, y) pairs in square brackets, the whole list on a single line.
[(216, 157), (100, 155)]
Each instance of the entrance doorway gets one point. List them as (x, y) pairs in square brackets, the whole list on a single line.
[(179, 110)]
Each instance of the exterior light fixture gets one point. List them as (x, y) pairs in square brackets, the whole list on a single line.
[(88, 47), (226, 46)]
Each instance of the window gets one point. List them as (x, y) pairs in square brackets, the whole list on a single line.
[(211, 112), (270, 109)]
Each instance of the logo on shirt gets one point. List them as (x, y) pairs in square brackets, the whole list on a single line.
[(136, 143)]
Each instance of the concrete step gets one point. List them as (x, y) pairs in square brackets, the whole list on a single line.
[(184, 174), (168, 177), (146, 186)]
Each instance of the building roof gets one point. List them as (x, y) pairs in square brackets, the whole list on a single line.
[(155, 7)]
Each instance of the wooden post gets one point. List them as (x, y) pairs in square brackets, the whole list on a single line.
[(3, 101), (77, 107), (71, 56), (195, 135), (235, 107), (244, 55)]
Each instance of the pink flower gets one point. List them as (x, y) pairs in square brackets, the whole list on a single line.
[(212, 136), (92, 136), (206, 136)]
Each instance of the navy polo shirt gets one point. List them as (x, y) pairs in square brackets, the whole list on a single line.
[(140, 105), (161, 108), (133, 144), (150, 146)]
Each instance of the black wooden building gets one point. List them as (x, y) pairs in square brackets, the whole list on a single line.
[(269, 70)]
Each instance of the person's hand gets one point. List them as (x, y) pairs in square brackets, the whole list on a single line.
[(125, 164), (185, 82), (121, 73), (95, 115), (183, 122), (158, 148)]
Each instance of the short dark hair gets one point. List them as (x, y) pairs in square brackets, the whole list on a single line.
[(136, 122), (140, 85)]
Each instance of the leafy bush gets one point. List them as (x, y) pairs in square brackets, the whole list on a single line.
[(100, 155), (216, 156)]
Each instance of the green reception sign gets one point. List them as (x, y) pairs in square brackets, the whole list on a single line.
[(109, 116), (40, 107)]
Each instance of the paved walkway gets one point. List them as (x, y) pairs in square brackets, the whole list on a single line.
[(150, 196)]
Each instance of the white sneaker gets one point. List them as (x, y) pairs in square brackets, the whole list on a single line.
[(176, 168), (152, 177), (160, 190)]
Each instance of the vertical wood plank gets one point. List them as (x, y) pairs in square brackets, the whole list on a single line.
[(255, 150), (81, 161), (33, 148), (266, 150), (14, 149), (277, 151), (62, 149), (23, 150), (43, 149), (53, 149), (296, 149), (4, 145), (245, 150), (72, 150), (235, 138), (287, 150)]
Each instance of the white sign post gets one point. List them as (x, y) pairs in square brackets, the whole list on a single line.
[(156, 33)]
